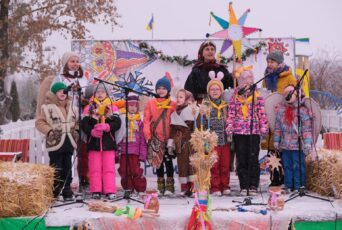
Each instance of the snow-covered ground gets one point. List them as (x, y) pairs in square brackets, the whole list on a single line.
[(174, 213)]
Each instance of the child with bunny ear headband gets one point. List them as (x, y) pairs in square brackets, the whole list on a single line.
[(216, 118)]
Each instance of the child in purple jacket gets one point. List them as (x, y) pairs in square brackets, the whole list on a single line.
[(137, 148), (238, 125)]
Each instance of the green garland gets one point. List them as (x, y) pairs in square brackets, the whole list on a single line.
[(184, 61)]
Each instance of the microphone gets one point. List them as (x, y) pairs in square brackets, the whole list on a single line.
[(288, 97), (75, 74), (67, 89), (242, 90)]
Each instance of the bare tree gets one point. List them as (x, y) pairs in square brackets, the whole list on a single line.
[(25, 25), (326, 72)]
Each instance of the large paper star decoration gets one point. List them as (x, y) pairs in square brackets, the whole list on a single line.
[(234, 31)]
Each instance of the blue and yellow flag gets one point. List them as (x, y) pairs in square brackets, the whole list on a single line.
[(150, 25)]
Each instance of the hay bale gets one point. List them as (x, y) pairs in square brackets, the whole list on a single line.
[(25, 189), (325, 175)]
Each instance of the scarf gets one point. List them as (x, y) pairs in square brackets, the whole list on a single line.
[(245, 101), (163, 104), (101, 107), (218, 107), (131, 124), (272, 77)]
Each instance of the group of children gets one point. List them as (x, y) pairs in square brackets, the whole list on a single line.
[(164, 133)]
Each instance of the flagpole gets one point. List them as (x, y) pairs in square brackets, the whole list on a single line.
[(152, 26)]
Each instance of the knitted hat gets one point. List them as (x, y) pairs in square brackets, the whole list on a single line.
[(67, 56), (103, 86), (165, 82), (132, 97), (276, 56), (215, 80), (243, 73), (57, 86)]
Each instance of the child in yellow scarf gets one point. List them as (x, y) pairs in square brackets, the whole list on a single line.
[(136, 148)]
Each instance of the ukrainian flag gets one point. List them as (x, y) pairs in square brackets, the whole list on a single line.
[(150, 25)]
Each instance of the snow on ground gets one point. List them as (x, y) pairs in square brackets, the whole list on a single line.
[(175, 212)]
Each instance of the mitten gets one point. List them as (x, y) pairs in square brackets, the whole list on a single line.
[(96, 133), (103, 127)]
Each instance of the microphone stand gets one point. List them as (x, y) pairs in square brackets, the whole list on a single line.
[(252, 88), (301, 192), (127, 193)]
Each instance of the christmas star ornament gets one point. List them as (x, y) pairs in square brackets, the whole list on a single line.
[(234, 31)]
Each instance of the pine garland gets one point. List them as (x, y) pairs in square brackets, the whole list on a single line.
[(184, 61)]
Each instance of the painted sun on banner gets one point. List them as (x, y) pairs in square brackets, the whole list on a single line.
[(110, 60)]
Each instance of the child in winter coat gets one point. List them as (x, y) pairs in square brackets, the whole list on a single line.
[(100, 123), (286, 139), (71, 75), (58, 121), (278, 74), (157, 130), (247, 144), (137, 148), (182, 125), (220, 172)]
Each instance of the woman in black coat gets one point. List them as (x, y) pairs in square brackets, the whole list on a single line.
[(198, 79)]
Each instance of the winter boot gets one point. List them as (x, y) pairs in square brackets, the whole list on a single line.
[(161, 185), (184, 187), (189, 192), (170, 186)]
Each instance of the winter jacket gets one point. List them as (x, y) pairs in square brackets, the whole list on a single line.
[(217, 123), (108, 138), (286, 136), (198, 79), (57, 120), (237, 124), (136, 143), (151, 114), (285, 78), (182, 126)]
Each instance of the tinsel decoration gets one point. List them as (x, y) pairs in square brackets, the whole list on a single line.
[(185, 61)]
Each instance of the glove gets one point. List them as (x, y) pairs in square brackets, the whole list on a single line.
[(103, 127), (96, 133)]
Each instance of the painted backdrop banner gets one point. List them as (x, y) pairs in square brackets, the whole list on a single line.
[(146, 61)]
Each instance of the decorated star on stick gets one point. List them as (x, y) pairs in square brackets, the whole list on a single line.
[(234, 31)]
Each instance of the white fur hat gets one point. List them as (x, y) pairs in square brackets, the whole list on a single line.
[(67, 56)]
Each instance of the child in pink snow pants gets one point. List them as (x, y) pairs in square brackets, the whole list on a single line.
[(100, 123)]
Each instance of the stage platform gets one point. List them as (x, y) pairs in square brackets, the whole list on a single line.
[(302, 212)]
